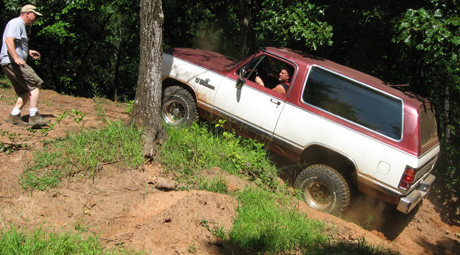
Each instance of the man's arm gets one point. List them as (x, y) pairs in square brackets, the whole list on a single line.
[(34, 54), (10, 44), (259, 81)]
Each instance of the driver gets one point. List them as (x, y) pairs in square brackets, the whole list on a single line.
[(284, 79)]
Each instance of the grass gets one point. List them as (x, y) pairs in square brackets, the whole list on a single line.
[(14, 242), (82, 154), (199, 147), (267, 220)]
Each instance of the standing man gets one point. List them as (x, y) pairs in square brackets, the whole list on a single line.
[(26, 82)]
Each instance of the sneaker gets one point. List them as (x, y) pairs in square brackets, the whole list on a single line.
[(37, 120), (16, 120)]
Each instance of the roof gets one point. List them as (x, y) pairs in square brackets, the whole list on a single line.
[(306, 60)]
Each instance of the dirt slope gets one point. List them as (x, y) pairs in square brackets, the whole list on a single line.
[(124, 207)]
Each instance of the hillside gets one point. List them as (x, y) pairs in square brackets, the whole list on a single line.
[(124, 207)]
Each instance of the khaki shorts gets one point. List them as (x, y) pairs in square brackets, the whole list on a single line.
[(23, 78)]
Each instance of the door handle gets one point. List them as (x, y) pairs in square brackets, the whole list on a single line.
[(275, 101)]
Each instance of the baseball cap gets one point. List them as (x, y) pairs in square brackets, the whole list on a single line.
[(30, 8)]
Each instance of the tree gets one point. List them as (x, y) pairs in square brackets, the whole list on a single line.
[(146, 109), (432, 37), (246, 28)]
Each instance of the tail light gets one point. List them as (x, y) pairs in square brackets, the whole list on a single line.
[(408, 178)]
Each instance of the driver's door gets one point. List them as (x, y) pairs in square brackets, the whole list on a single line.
[(253, 110)]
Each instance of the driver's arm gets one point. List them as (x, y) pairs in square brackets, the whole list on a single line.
[(259, 81)]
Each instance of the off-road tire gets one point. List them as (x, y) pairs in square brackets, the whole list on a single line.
[(178, 107), (324, 189)]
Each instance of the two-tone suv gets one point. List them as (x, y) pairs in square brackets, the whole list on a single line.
[(345, 128)]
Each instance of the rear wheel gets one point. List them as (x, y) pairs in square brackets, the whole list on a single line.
[(324, 189), (178, 106)]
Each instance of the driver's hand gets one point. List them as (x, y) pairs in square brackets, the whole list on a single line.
[(259, 81)]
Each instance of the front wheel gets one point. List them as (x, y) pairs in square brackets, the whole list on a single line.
[(178, 106), (324, 189)]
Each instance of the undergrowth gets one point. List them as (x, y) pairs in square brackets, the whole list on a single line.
[(188, 151)]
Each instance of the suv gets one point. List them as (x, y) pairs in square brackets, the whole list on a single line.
[(345, 128)]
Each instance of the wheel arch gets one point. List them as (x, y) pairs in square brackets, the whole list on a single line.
[(320, 154), (168, 82)]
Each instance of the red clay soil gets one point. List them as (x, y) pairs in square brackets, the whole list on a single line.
[(124, 208)]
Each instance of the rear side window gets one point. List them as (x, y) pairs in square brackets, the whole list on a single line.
[(428, 126), (354, 101)]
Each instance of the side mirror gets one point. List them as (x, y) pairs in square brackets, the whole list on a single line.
[(243, 72), (239, 83)]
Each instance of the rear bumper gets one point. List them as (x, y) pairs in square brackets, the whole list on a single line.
[(408, 202)]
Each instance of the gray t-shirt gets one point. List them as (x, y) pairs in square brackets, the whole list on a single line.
[(15, 28)]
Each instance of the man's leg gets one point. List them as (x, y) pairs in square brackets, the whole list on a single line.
[(34, 98), (21, 101), (15, 116), (35, 119)]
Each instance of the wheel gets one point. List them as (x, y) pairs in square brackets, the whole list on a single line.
[(324, 189), (178, 107)]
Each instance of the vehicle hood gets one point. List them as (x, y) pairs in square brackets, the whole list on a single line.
[(208, 59)]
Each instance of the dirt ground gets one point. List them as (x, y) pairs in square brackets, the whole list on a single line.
[(124, 207)]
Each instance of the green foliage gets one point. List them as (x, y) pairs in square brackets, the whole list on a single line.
[(197, 148), (83, 154), (430, 32), (433, 32), (129, 106), (292, 24), (88, 47), (215, 25), (14, 242)]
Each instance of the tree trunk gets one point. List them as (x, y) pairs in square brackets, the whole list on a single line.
[(247, 33), (146, 114)]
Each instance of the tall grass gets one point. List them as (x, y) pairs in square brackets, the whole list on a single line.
[(269, 222), (82, 154)]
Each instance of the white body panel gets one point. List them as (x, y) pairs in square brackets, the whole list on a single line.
[(203, 82), (248, 104), (303, 129)]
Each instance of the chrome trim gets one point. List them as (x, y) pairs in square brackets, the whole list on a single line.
[(409, 202)]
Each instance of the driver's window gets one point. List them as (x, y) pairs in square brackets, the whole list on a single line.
[(250, 69), (266, 70)]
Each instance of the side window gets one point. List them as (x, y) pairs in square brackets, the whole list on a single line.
[(354, 101)]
